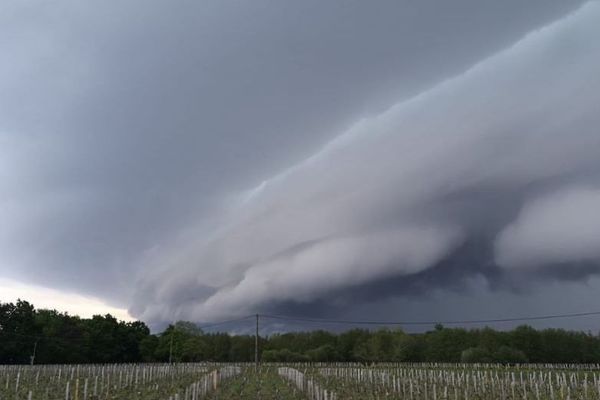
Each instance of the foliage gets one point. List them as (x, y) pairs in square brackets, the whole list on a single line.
[(61, 338)]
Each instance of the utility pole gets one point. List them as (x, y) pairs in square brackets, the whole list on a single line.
[(171, 349), (171, 344), (34, 349), (256, 346)]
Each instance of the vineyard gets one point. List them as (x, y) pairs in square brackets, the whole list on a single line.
[(329, 381)]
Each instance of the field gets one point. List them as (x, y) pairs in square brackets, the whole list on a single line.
[(300, 381)]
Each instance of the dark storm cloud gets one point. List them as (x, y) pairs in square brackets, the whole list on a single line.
[(396, 197), (130, 134)]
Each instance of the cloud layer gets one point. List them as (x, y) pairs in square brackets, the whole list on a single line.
[(561, 227), (206, 160), (399, 193)]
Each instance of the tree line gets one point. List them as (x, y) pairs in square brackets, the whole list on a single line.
[(49, 336)]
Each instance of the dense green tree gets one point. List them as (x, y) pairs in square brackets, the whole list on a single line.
[(350, 341), (17, 332), (529, 341), (508, 355), (284, 355), (324, 353), (447, 345), (382, 345), (410, 348), (476, 355), (57, 337), (148, 346), (242, 348)]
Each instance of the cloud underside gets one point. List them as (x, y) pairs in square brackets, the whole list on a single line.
[(492, 173)]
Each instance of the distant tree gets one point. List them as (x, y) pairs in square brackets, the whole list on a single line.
[(242, 348), (148, 346), (188, 328), (529, 341), (284, 355), (508, 355), (447, 345), (476, 355), (62, 338), (409, 348), (349, 343), (18, 332), (324, 353)]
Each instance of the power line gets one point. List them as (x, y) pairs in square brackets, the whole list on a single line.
[(227, 321), (447, 322), (337, 321)]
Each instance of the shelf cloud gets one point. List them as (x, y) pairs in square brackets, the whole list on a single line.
[(399, 193), (207, 161)]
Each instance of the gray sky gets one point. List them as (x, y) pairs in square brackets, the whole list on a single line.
[(205, 160)]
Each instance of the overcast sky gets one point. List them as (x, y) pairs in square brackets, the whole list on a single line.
[(391, 159)]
